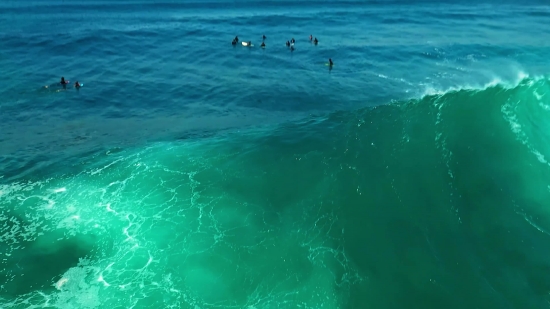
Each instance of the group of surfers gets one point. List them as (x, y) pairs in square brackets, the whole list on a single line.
[(235, 41), (288, 44), (65, 82)]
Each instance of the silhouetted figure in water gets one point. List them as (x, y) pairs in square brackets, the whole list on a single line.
[(315, 41), (330, 63), (63, 82), (263, 37)]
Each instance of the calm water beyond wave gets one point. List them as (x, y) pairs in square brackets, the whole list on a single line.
[(190, 173)]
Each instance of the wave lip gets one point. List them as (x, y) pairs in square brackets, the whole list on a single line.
[(521, 79)]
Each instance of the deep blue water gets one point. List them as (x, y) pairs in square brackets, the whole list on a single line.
[(190, 173), (143, 61)]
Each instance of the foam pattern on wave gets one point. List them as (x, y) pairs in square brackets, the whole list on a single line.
[(167, 227)]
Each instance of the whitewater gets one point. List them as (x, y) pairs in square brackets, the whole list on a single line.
[(189, 173)]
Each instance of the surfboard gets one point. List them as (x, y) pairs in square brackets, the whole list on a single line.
[(246, 44), (328, 64), (81, 85)]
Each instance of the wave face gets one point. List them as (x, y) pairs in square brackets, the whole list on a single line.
[(188, 173), (439, 201)]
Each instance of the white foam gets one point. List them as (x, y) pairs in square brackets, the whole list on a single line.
[(154, 215), (75, 291), (521, 76), (544, 106), (512, 119), (99, 170)]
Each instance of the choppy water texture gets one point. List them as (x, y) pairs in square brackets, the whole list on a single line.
[(188, 173)]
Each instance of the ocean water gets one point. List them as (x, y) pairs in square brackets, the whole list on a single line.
[(190, 173)]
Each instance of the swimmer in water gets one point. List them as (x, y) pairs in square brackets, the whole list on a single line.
[(330, 63), (263, 44), (315, 41), (264, 37), (76, 85), (310, 37), (236, 39), (287, 43), (64, 82), (293, 41)]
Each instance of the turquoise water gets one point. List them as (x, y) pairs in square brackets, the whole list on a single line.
[(189, 173)]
